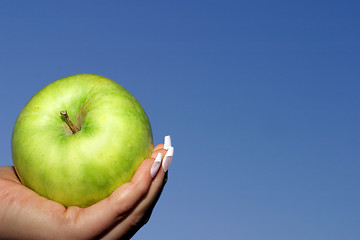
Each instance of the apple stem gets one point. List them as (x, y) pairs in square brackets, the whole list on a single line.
[(69, 122)]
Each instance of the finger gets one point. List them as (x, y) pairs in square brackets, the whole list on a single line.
[(156, 152), (149, 211), (142, 213), (146, 206), (105, 213), (143, 210), (139, 216), (158, 155), (159, 146), (165, 145)]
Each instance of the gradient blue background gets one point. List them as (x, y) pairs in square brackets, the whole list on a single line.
[(261, 99)]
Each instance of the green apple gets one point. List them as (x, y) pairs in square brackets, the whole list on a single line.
[(80, 138)]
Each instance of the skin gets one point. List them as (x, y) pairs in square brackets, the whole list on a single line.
[(26, 215)]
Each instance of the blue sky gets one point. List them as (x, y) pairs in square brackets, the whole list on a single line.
[(261, 99)]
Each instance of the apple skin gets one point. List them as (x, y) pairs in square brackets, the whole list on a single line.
[(82, 168)]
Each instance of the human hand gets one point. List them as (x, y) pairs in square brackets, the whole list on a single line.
[(26, 215)]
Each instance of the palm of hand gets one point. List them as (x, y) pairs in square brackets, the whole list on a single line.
[(26, 215)]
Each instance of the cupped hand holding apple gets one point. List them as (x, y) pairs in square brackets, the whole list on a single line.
[(24, 214), (79, 172)]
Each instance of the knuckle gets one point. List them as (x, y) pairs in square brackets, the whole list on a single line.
[(140, 220), (142, 189), (146, 219)]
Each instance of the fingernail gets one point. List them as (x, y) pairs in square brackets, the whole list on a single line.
[(156, 165), (168, 158), (167, 142)]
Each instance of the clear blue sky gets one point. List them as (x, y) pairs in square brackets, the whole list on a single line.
[(261, 99)]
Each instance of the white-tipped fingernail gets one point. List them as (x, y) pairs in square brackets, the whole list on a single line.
[(168, 158), (167, 142), (156, 165)]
